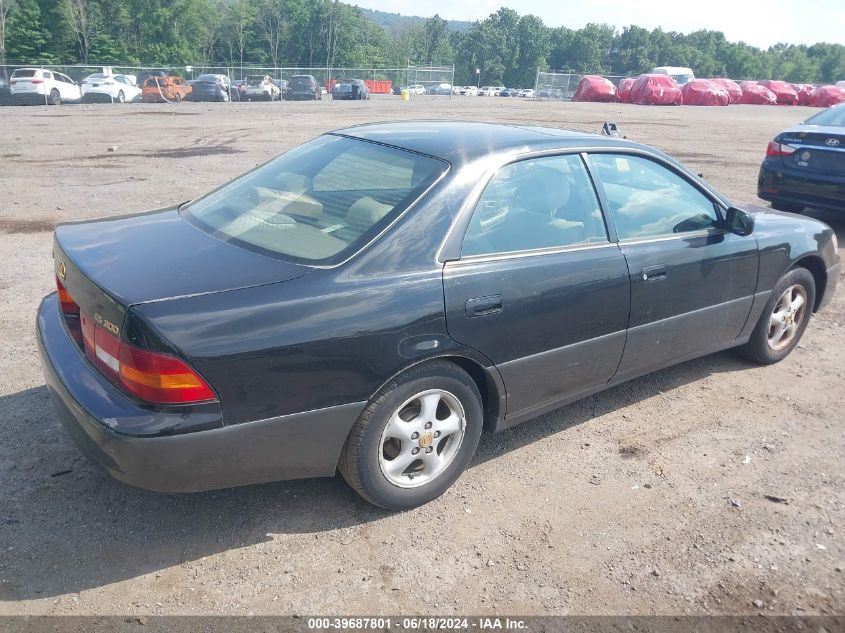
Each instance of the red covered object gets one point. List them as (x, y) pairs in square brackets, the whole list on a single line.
[(595, 88), (755, 94), (656, 90), (623, 89), (805, 93), (784, 92), (827, 96), (703, 92), (731, 86)]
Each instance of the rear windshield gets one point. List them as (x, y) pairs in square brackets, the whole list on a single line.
[(832, 116), (319, 202), (24, 72), (301, 82)]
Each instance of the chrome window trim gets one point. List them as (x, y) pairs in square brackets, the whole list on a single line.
[(675, 236), (535, 252)]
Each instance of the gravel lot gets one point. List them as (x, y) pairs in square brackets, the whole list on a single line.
[(648, 498)]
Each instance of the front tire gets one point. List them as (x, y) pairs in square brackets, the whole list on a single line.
[(121, 98), (415, 437), (784, 318), (55, 97)]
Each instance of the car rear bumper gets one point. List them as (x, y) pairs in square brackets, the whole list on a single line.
[(98, 97), (90, 408), (780, 184), (28, 98)]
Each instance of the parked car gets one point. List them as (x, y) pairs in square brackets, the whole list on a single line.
[(303, 87), (102, 88), (355, 89), (680, 74), (527, 93), (262, 88), (415, 89), (440, 90), (40, 86), (157, 89), (288, 280), (239, 89), (805, 164), (471, 91), (210, 87), (282, 85), (509, 92), (5, 92), (486, 91)]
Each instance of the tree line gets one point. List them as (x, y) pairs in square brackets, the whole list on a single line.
[(506, 47)]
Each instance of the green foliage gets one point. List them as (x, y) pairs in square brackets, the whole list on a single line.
[(506, 47)]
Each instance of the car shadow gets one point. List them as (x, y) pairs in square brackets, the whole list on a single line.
[(67, 526)]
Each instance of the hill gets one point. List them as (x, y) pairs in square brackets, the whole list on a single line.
[(395, 22)]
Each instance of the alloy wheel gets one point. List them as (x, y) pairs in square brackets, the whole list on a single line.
[(787, 316)]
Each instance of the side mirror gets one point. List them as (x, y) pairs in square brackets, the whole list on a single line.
[(739, 222)]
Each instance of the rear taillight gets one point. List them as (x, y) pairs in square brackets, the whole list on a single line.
[(779, 149), (36, 81), (65, 300), (150, 376), (158, 378)]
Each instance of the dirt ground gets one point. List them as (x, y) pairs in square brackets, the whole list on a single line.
[(648, 498)]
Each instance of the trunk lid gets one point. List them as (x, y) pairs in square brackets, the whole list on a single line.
[(818, 148), (109, 265)]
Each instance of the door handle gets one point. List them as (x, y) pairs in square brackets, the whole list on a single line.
[(654, 273), (482, 306)]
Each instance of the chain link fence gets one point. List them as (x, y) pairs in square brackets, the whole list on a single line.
[(561, 86), (434, 79)]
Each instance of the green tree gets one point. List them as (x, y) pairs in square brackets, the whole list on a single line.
[(25, 36)]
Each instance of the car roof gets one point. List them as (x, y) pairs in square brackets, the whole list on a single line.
[(464, 141)]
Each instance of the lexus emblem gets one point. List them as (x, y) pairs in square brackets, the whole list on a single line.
[(62, 271), (832, 142)]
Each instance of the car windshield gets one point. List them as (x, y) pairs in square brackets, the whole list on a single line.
[(318, 202), (832, 116), (96, 76), (300, 82)]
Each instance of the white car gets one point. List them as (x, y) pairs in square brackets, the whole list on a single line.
[(41, 86), (416, 89), (100, 87), (486, 91), (262, 87), (470, 91), (840, 84), (528, 93), (681, 74)]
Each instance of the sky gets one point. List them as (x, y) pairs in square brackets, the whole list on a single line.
[(756, 22)]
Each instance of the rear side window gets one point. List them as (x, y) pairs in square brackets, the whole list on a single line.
[(539, 203), (650, 200), (318, 202)]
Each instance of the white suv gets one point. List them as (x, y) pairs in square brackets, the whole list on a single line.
[(37, 85)]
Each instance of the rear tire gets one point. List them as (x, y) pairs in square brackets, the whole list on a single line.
[(177, 98), (55, 97), (787, 207), (784, 319), (121, 98), (415, 437)]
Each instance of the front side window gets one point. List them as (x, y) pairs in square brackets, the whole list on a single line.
[(319, 201), (649, 200), (539, 203)]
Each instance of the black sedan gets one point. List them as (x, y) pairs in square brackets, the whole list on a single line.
[(805, 165), (210, 88), (372, 300), (355, 89)]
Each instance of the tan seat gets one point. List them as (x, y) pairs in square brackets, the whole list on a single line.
[(366, 212)]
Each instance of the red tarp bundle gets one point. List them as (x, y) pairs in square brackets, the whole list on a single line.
[(702, 92), (755, 94), (805, 93), (784, 92), (595, 88), (624, 89), (731, 86), (656, 90), (827, 96)]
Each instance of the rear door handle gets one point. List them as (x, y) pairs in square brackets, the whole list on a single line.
[(654, 273), (482, 306)]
